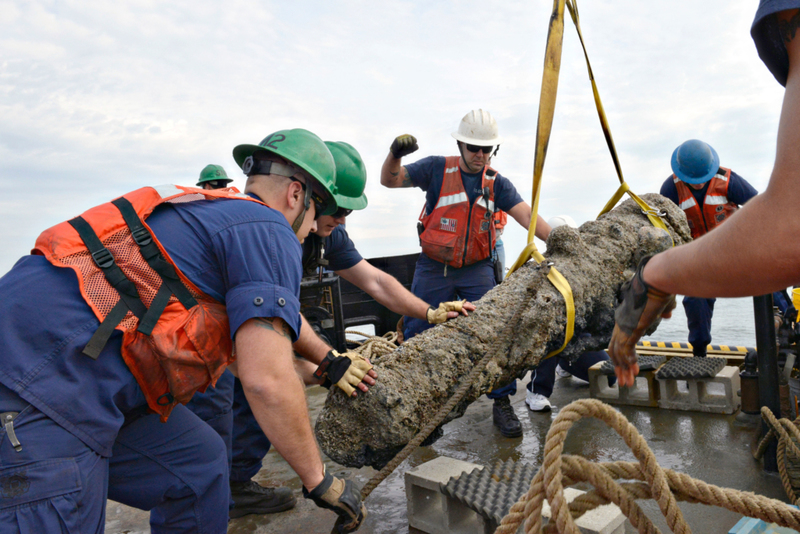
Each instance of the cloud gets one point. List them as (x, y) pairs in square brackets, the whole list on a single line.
[(97, 99)]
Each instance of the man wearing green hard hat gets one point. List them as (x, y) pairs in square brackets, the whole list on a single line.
[(294, 157), (213, 177), (328, 245), (209, 275)]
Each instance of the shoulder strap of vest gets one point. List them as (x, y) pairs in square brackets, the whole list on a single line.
[(129, 296), (171, 283)]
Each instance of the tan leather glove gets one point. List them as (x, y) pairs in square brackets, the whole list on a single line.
[(639, 310), (439, 315), (345, 370), (341, 496), (403, 145)]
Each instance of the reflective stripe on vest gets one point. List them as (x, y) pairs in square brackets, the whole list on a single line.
[(456, 233), (716, 206), (187, 349)]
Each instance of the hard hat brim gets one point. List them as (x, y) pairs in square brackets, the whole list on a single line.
[(473, 141), (350, 203), (676, 168)]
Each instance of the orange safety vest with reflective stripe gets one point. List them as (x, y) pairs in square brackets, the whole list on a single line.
[(716, 206), (455, 232), (186, 347)]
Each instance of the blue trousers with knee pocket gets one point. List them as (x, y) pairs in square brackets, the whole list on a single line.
[(56, 483)]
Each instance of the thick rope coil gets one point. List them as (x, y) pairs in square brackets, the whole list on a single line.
[(663, 485), (788, 436), (373, 347)]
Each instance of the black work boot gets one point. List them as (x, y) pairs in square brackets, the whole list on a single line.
[(252, 498), (505, 419)]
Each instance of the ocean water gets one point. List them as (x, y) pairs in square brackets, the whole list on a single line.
[(733, 324)]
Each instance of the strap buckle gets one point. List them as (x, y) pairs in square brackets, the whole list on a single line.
[(658, 213), (141, 236), (103, 258)]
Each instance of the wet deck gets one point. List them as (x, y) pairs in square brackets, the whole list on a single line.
[(713, 448)]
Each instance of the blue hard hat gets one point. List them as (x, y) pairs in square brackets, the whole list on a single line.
[(695, 162)]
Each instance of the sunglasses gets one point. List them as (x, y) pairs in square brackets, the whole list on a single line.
[(342, 212), (476, 148), (320, 203)]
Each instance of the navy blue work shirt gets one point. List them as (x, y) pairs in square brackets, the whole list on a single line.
[(340, 251), (428, 175), (234, 250)]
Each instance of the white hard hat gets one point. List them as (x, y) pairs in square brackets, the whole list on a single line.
[(478, 127), (561, 220)]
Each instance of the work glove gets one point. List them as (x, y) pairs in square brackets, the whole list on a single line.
[(639, 310), (403, 145), (341, 496), (345, 370), (439, 315)]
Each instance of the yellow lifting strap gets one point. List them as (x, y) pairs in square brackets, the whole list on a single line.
[(547, 102)]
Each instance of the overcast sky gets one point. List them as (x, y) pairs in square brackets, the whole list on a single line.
[(99, 98)]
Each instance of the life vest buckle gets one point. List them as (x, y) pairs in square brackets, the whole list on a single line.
[(103, 258), (141, 236)]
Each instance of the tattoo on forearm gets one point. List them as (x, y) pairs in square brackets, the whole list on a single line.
[(406, 179), (788, 28), (275, 325)]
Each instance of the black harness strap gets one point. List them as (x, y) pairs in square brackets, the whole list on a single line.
[(129, 296), (105, 261), (152, 255)]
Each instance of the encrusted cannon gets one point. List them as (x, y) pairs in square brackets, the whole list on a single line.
[(418, 378)]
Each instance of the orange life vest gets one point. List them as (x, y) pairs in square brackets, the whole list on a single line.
[(176, 340), (456, 233), (500, 219), (716, 206)]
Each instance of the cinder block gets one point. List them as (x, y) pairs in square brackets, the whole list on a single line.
[(643, 392), (429, 510), (702, 396)]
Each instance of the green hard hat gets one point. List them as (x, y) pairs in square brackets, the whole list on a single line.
[(351, 176), (303, 149), (211, 173)]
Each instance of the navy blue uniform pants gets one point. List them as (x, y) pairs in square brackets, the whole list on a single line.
[(56, 483), (543, 376), (698, 315)]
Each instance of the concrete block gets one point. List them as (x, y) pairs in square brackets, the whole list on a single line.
[(429, 510), (712, 395), (644, 391)]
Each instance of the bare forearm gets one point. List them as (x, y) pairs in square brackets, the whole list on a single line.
[(277, 398), (393, 174), (390, 293)]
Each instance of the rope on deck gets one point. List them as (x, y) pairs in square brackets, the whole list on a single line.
[(665, 486), (788, 437)]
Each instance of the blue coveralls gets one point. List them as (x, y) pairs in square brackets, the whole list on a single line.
[(83, 424), (250, 445), (431, 282), (699, 311), (543, 376)]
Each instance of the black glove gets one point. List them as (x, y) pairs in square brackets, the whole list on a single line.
[(341, 496), (345, 370), (403, 145), (640, 308)]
